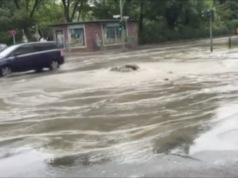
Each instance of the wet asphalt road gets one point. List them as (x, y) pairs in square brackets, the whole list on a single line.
[(84, 120)]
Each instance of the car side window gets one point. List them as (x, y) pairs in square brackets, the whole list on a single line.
[(52, 46), (24, 50), (44, 47), (38, 47)]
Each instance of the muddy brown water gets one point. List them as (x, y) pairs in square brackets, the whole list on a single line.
[(87, 121)]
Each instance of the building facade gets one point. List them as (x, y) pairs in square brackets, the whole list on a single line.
[(94, 35)]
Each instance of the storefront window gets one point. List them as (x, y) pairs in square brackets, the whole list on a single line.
[(60, 38), (112, 34), (76, 37)]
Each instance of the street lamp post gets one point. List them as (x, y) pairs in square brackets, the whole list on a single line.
[(123, 27), (211, 35), (126, 28), (211, 18)]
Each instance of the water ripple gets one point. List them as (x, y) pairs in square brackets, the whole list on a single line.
[(89, 117)]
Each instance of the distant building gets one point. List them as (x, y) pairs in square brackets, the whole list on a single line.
[(94, 35)]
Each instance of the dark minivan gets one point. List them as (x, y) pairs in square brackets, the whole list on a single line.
[(30, 56)]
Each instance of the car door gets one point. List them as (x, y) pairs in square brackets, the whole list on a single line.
[(47, 52), (42, 56), (52, 52), (24, 58)]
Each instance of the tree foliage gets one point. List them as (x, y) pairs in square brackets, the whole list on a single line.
[(158, 20)]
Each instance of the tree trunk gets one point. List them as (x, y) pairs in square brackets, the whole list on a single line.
[(75, 8), (27, 5), (186, 18), (34, 8), (17, 4), (171, 16), (66, 10)]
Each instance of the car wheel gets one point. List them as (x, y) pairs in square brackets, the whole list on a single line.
[(54, 65), (5, 71)]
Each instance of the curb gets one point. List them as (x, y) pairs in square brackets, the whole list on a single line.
[(172, 46)]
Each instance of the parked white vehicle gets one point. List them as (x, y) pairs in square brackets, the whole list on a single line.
[(2, 46)]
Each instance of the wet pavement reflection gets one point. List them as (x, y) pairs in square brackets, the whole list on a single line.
[(84, 120)]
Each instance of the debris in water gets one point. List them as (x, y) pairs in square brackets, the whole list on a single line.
[(125, 68)]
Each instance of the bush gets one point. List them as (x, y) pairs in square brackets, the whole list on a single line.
[(154, 32)]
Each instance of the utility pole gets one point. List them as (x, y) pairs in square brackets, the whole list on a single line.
[(122, 19), (211, 17), (209, 14)]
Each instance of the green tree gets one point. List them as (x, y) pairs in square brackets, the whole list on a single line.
[(72, 7), (159, 21), (17, 15), (173, 19)]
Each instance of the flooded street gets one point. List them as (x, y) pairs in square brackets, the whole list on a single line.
[(85, 120)]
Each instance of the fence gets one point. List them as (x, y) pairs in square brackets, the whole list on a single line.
[(151, 37)]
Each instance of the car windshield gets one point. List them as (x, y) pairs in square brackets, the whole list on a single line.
[(7, 51)]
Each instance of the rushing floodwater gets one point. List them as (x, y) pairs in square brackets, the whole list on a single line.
[(84, 115)]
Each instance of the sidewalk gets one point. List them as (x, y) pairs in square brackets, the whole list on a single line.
[(165, 46)]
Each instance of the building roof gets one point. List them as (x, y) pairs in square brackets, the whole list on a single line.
[(91, 21)]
